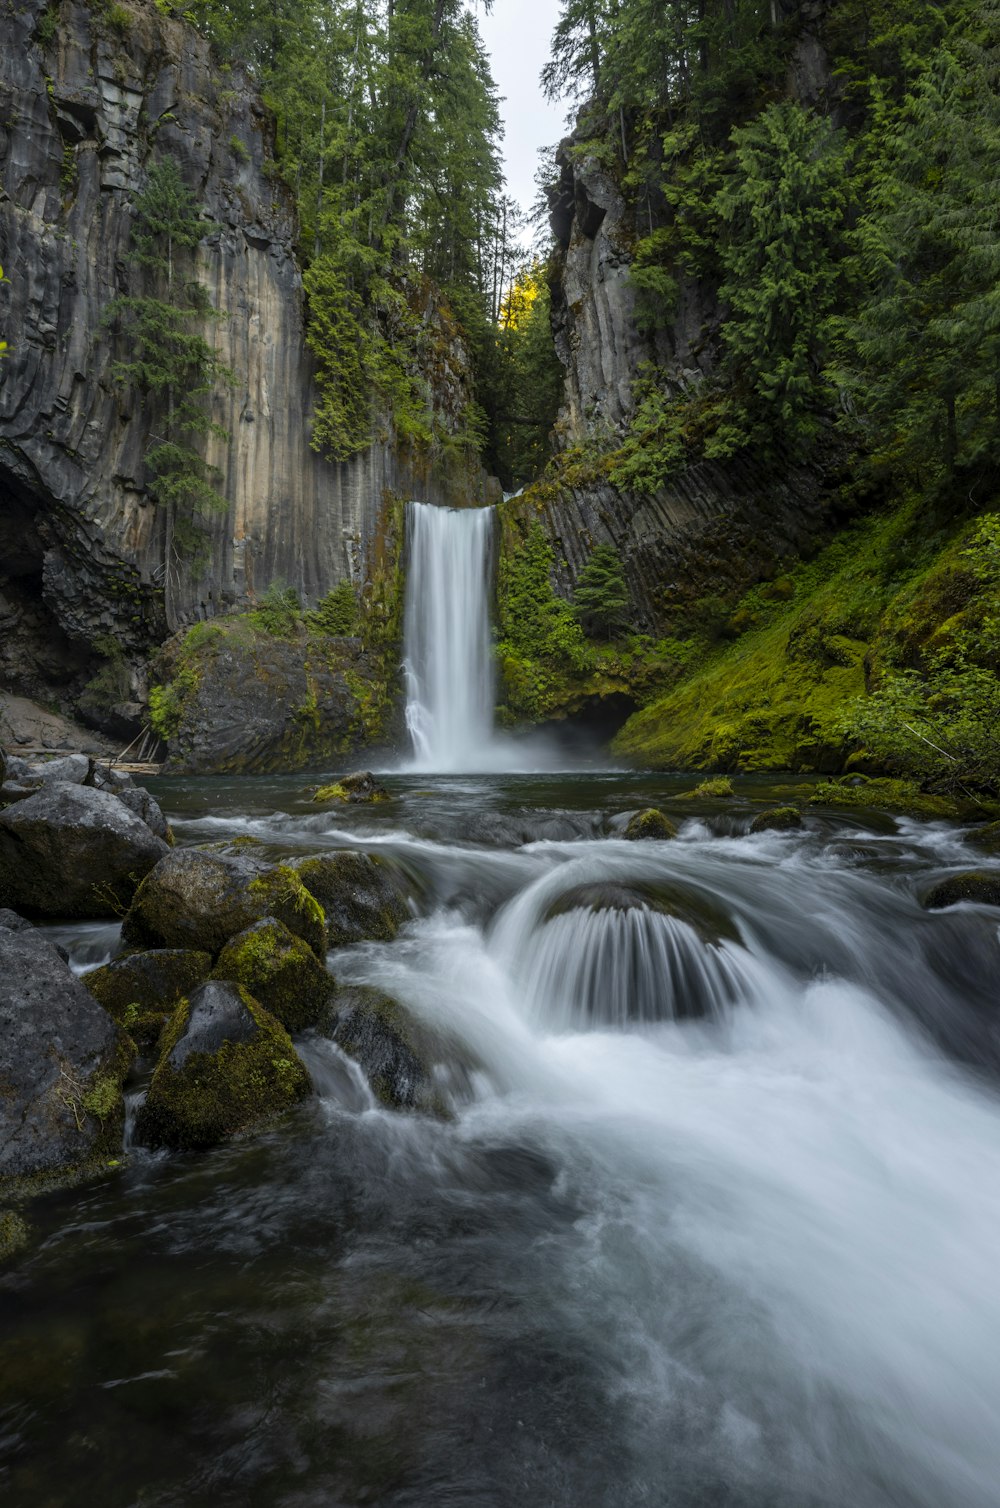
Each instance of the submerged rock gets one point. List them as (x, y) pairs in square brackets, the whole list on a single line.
[(687, 905), (402, 1058), (778, 819), (226, 1068), (70, 850), (201, 900), (140, 990), (980, 885), (357, 787), (62, 1061), (361, 896), (280, 971), (650, 823)]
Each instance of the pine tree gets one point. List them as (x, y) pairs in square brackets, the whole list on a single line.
[(601, 596), (170, 362)]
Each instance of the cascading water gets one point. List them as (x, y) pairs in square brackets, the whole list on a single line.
[(448, 662)]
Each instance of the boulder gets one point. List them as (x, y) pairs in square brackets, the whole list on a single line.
[(226, 1068), (649, 823), (357, 787), (281, 972), (987, 838), (70, 850), (688, 905), (74, 769), (200, 900), (361, 896), (399, 1054), (778, 819), (14, 923), (139, 990), (980, 885), (62, 1061), (139, 801)]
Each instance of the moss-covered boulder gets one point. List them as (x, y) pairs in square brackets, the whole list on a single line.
[(360, 786), (62, 1062), (884, 795), (650, 823), (226, 1068), (408, 1064), (139, 990), (281, 972), (686, 903), (70, 850), (987, 837), (719, 788), (201, 900), (777, 819), (980, 885), (361, 896), (14, 1234)]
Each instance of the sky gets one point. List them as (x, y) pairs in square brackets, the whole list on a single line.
[(516, 35)]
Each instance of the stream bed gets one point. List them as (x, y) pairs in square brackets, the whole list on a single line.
[(715, 1221)]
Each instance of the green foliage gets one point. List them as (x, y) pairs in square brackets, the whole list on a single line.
[(336, 613), (601, 596), (169, 362), (783, 210), (239, 148), (279, 612)]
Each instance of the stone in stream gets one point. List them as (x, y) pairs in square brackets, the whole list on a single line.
[(664, 897), (281, 972), (778, 819), (403, 1059), (62, 1061), (650, 823), (361, 896), (70, 850), (139, 990), (359, 786), (200, 900), (226, 1068), (980, 885)]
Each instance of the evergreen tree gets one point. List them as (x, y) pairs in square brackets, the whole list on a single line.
[(783, 211), (170, 362), (601, 596)]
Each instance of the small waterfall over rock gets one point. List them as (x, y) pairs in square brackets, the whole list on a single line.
[(448, 660)]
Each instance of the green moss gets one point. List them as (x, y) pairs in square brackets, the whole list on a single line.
[(778, 819), (714, 790), (214, 1096), (650, 823), (281, 972), (331, 793), (886, 795), (979, 886), (14, 1234), (280, 889)]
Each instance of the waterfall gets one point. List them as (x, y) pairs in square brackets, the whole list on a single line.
[(448, 661)]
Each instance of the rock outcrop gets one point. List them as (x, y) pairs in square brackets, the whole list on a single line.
[(88, 100)]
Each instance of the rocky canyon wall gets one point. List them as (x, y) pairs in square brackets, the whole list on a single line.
[(85, 106)]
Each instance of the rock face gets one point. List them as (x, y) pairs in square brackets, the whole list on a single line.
[(361, 897), (201, 900), (62, 1061), (226, 1067), (281, 972), (70, 850), (87, 106)]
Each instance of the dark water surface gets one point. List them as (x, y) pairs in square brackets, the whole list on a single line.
[(747, 1261)]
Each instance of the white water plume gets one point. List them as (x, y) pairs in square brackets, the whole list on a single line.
[(448, 661)]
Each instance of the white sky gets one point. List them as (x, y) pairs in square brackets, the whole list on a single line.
[(517, 35)]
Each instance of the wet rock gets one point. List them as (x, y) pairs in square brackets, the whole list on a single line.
[(650, 823), (281, 972), (139, 801), (226, 1068), (361, 896), (11, 922), (719, 788), (980, 885), (70, 850), (358, 787), (687, 904), (778, 819), (987, 838), (200, 900), (14, 1234), (399, 1054), (140, 990), (62, 1061)]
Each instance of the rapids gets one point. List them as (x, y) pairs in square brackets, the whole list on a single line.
[(716, 1219)]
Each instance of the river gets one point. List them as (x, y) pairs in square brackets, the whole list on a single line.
[(652, 1261)]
